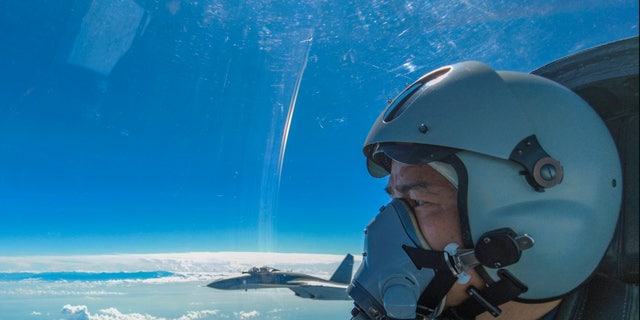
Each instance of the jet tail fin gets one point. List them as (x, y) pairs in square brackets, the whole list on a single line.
[(345, 271)]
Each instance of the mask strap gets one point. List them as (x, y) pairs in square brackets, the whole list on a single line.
[(442, 281)]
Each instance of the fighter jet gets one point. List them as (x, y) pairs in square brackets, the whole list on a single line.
[(302, 285)]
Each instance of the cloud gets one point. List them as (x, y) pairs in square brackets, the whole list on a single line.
[(70, 312), (114, 314), (193, 315), (81, 312), (247, 314)]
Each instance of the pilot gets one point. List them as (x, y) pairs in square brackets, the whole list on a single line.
[(505, 188)]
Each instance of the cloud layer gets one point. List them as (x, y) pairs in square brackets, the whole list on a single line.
[(81, 312), (180, 296), (195, 262)]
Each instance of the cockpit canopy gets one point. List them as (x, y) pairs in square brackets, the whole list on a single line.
[(254, 270)]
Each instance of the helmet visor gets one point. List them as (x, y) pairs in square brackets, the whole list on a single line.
[(379, 156)]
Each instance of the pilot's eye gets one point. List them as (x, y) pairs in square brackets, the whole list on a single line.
[(417, 203)]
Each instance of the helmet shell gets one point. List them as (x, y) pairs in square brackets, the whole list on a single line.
[(464, 106), (485, 114)]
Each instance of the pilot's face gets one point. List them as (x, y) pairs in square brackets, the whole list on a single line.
[(434, 200)]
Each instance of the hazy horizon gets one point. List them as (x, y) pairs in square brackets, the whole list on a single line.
[(179, 294)]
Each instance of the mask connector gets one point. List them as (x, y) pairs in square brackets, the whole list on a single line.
[(460, 261)]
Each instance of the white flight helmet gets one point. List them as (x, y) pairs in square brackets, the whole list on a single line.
[(530, 156)]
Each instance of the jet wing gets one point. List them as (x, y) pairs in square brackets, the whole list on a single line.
[(307, 283), (320, 290)]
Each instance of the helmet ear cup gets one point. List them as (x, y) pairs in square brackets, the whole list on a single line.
[(571, 223), (570, 235)]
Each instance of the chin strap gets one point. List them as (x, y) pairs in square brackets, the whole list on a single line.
[(504, 290)]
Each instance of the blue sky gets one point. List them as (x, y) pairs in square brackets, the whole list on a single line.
[(132, 127)]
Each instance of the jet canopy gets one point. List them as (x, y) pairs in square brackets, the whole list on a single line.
[(260, 270)]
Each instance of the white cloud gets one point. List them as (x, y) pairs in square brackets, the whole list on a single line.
[(81, 312), (70, 312), (115, 314), (193, 315), (247, 314)]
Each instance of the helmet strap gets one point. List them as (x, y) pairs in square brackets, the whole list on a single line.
[(504, 290)]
